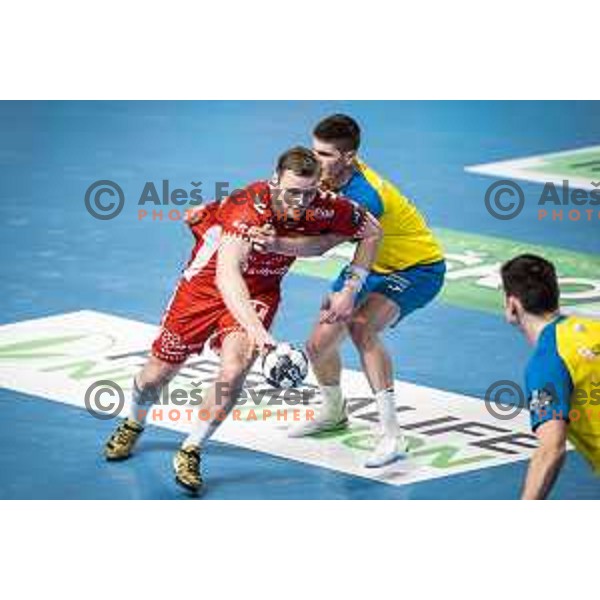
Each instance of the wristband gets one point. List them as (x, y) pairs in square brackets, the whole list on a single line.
[(355, 277)]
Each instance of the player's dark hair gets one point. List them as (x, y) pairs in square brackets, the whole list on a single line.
[(301, 161), (532, 280), (341, 130)]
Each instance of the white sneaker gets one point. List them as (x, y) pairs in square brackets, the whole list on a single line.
[(389, 449), (325, 420)]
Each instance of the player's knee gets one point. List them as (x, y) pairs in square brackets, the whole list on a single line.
[(313, 349), (320, 347), (363, 336), (156, 373), (232, 373)]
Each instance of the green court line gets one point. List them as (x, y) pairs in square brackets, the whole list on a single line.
[(473, 260), (585, 165)]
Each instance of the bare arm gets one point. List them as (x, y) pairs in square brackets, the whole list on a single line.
[(547, 460), (233, 252), (366, 251), (340, 305), (310, 245), (307, 245)]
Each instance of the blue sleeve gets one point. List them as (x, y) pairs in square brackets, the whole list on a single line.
[(548, 387), (363, 193), (372, 202)]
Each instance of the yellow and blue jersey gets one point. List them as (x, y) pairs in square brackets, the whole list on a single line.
[(407, 240), (562, 380)]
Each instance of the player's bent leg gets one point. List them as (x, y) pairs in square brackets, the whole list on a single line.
[(147, 385), (322, 349), (370, 320), (157, 372), (170, 350), (237, 356)]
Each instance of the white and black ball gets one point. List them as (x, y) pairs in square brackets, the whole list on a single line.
[(285, 366)]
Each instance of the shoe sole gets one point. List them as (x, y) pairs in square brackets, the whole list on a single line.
[(397, 457), (342, 425), (116, 458), (186, 486)]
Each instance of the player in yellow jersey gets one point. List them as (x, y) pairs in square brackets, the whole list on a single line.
[(562, 378), (407, 274)]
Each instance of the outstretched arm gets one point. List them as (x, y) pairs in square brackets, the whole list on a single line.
[(307, 245), (547, 460), (340, 304), (265, 239), (232, 254)]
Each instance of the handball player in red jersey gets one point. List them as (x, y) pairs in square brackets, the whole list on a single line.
[(230, 290)]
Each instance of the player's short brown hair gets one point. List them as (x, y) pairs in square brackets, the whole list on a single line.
[(301, 161), (340, 130), (532, 280)]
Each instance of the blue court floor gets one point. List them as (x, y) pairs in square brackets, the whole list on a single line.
[(57, 259)]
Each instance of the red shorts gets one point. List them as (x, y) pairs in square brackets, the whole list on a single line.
[(194, 317)]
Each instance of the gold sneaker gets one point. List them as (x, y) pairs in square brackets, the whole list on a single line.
[(121, 442), (187, 468)]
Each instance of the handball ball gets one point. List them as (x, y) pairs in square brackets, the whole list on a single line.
[(285, 366)]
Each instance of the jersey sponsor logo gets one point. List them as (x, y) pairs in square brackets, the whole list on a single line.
[(266, 271), (540, 400), (589, 353), (324, 214), (240, 226)]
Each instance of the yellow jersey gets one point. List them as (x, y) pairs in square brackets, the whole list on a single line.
[(407, 239), (563, 381)]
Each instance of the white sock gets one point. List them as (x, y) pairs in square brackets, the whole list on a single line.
[(141, 403), (201, 431), (333, 401), (386, 403)]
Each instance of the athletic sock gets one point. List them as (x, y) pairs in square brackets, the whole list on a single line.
[(141, 401), (386, 403), (333, 401), (202, 430)]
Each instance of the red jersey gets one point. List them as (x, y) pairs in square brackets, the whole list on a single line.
[(328, 213), (197, 313)]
